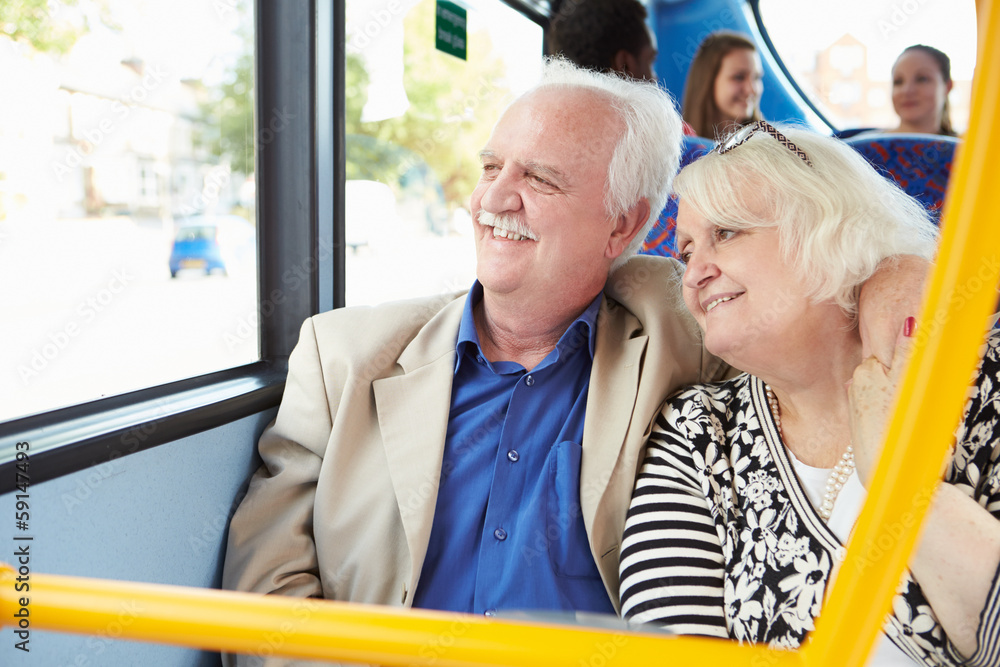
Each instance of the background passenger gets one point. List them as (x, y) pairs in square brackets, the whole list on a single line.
[(604, 35), (750, 487), (921, 81), (724, 84)]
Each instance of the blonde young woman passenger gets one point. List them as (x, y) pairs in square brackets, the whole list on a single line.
[(749, 487)]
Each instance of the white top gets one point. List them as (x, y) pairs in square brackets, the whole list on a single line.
[(846, 510)]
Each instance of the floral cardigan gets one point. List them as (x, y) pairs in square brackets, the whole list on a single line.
[(721, 539)]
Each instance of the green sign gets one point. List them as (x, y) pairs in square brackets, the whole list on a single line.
[(450, 29)]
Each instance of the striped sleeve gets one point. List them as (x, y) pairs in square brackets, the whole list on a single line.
[(988, 635), (672, 563), (988, 651)]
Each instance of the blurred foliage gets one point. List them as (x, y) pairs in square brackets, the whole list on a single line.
[(356, 91), (228, 110), (31, 21), (227, 130), (453, 106)]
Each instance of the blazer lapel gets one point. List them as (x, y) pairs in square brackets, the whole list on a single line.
[(614, 383), (412, 413)]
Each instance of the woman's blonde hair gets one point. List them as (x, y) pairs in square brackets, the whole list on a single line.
[(837, 220)]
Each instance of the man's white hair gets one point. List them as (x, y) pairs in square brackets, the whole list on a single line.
[(647, 154)]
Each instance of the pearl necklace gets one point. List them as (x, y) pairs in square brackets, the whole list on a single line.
[(838, 476)]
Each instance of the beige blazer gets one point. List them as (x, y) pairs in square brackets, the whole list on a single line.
[(343, 505)]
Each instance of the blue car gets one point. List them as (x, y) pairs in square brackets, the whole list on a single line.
[(214, 244)]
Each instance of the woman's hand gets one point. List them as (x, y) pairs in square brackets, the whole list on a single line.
[(893, 293), (871, 395)]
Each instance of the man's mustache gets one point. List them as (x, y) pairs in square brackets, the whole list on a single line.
[(506, 222)]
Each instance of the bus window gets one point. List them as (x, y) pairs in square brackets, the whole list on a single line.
[(844, 60), (416, 119), (126, 131)]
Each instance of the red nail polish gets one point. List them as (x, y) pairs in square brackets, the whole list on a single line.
[(908, 326)]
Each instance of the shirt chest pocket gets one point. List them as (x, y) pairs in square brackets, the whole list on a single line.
[(565, 532)]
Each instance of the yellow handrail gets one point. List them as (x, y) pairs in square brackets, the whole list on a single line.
[(325, 630)]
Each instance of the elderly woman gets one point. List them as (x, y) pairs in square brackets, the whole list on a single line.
[(749, 488)]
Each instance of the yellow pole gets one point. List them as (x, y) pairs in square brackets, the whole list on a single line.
[(950, 331), (325, 630)]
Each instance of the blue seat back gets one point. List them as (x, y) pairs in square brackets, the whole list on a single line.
[(661, 238), (919, 163)]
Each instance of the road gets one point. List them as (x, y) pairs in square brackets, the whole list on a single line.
[(89, 308)]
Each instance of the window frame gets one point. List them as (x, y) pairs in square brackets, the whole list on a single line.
[(295, 214), (804, 99)]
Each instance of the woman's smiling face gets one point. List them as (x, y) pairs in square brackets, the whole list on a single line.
[(919, 90), (738, 85), (746, 297)]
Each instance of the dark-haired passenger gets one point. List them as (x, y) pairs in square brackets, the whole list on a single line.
[(604, 35), (921, 81)]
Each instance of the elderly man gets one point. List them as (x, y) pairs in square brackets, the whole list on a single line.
[(476, 452)]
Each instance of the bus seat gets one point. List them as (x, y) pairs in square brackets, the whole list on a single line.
[(159, 515), (919, 163), (660, 240), (852, 131)]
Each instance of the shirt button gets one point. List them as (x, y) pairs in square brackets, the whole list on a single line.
[(513, 456), (490, 612), (500, 534), (530, 380), (479, 358)]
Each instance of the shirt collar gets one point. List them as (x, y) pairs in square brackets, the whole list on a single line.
[(583, 328)]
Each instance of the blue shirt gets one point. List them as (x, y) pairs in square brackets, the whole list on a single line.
[(508, 532)]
